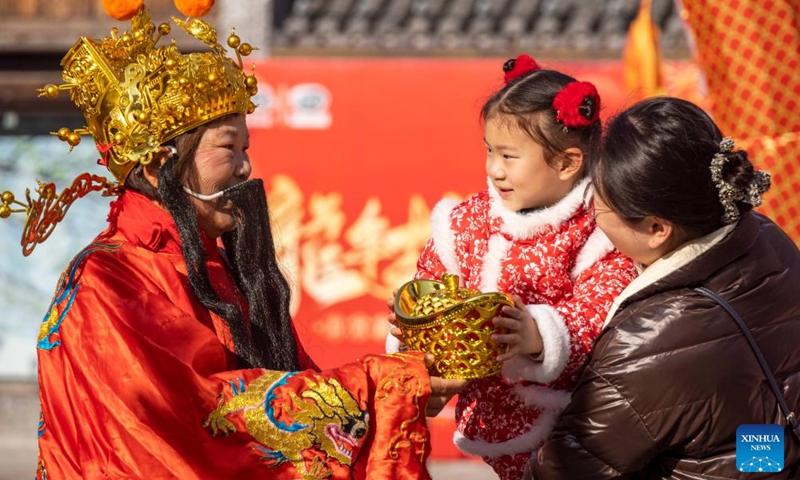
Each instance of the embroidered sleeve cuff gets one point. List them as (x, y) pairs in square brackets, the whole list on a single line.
[(549, 365)]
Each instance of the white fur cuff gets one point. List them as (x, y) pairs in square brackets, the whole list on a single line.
[(527, 442), (556, 340)]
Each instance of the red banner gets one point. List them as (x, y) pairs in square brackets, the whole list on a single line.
[(355, 153)]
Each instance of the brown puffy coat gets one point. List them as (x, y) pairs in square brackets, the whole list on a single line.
[(672, 376)]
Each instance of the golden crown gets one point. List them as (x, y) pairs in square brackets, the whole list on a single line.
[(454, 325), (135, 96)]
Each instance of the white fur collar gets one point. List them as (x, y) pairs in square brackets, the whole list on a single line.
[(596, 247), (522, 226), (443, 235), (669, 263)]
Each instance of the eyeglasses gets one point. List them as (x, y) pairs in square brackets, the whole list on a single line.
[(589, 202)]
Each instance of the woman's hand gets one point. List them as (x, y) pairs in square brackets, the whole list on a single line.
[(442, 390), (523, 337)]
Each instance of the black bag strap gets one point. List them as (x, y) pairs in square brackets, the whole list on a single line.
[(791, 418)]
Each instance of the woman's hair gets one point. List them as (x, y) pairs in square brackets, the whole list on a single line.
[(528, 99), (655, 161), (267, 340)]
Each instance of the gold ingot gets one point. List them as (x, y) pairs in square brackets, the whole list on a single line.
[(234, 41), (7, 197), (183, 81), (63, 133), (138, 35), (245, 49), (252, 91), (170, 63), (143, 117), (164, 28), (213, 78), (126, 39), (251, 81), (119, 138), (186, 100), (5, 211), (200, 86), (454, 325), (73, 139)]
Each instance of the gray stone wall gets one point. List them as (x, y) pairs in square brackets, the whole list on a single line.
[(19, 420)]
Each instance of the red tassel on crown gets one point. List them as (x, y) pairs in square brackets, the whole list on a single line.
[(577, 105), (519, 66), (126, 9), (122, 9)]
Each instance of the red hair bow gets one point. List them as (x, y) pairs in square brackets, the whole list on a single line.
[(577, 105), (519, 66)]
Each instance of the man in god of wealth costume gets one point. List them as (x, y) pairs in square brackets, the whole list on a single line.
[(163, 355)]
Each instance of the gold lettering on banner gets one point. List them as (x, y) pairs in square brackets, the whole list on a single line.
[(333, 262)]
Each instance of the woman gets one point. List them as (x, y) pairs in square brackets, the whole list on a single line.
[(163, 356), (672, 376)]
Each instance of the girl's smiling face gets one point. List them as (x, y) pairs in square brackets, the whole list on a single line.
[(518, 169)]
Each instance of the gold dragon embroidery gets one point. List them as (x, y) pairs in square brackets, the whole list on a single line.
[(324, 417)]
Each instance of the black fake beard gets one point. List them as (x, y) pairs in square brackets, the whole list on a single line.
[(269, 341), (251, 254)]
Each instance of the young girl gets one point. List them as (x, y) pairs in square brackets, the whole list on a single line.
[(530, 235)]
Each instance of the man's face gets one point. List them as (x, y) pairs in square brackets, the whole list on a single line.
[(221, 161)]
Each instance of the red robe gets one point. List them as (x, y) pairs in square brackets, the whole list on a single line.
[(137, 380)]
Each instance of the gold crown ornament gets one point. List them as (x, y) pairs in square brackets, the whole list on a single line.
[(135, 96), (452, 324)]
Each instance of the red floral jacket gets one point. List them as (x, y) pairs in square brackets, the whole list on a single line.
[(566, 271)]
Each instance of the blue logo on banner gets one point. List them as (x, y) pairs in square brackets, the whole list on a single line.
[(759, 448)]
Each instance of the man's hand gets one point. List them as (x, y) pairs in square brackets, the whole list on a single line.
[(392, 317), (523, 337), (442, 390)]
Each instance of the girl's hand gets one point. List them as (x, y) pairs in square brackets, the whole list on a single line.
[(523, 337)]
